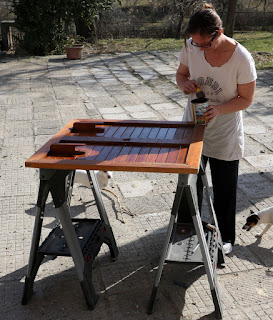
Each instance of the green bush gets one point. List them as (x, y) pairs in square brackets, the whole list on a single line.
[(45, 23)]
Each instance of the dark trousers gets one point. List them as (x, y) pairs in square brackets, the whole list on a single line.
[(224, 181), (224, 176)]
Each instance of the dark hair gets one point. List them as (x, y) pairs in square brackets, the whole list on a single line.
[(205, 21)]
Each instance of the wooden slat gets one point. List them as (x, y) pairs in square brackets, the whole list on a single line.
[(114, 153), (111, 131), (162, 155), (195, 147), (152, 155), (172, 156), (93, 153), (180, 133), (143, 154), (170, 134), (119, 132), (123, 154), (121, 141), (137, 123), (129, 145), (162, 133), (114, 166), (145, 132), (128, 132), (136, 133), (133, 154), (103, 153), (153, 133), (182, 154), (188, 136)]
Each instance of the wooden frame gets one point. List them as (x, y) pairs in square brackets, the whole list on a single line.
[(123, 145)]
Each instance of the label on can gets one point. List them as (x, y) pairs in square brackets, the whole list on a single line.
[(199, 106)]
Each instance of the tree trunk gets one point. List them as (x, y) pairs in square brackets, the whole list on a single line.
[(82, 29), (230, 20), (179, 25)]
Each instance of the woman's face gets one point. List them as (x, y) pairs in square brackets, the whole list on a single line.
[(203, 42)]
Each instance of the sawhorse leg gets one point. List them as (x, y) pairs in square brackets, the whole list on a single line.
[(221, 257), (209, 267), (187, 184), (77, 256), (109, 236), (54, 181), (175, 207), (34, 258)]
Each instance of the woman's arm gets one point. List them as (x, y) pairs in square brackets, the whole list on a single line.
[(242, 101), (186, 85)]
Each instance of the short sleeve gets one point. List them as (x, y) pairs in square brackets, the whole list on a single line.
[(183, 55), (247, 71)]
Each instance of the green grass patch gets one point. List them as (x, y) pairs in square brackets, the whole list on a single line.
[(260, 44), (136, 44), (256, 41)]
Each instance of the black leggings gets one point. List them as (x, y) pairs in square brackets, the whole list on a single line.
[(224, 176)]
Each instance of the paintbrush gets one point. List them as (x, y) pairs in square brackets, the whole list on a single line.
[(199, 93)]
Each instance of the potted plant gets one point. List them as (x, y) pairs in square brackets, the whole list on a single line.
[(74, 48)]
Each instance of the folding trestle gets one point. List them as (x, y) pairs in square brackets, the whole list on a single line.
[(181, 238), (79, 238)]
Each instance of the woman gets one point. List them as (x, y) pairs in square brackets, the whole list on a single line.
[(225, 72)]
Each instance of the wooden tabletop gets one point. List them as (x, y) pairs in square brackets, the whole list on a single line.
[(123, 145)]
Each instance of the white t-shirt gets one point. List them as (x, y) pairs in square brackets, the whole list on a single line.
[(224, 136)]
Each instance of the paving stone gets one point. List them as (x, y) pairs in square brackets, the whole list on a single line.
[(265, 160), (136, 188), (143, 115), (40, 95)]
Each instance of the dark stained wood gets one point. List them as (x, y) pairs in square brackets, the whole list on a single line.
[(65, 150), (91, 140), (123, 145), (86, 127)]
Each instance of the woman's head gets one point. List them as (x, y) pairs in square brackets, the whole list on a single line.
[(205, 22)]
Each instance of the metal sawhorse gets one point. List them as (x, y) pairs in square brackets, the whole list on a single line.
[(181, 238), (79, 238)]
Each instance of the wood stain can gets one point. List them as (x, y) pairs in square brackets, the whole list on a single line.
[(199, 106)]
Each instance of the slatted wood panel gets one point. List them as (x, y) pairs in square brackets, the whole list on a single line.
[(143, 146)]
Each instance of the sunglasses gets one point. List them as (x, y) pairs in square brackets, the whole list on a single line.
[(205, 45)]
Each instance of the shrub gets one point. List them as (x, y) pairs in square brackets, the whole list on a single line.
[(45, 23)]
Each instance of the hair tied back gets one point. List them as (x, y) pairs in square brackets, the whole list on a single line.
[(209, 6)]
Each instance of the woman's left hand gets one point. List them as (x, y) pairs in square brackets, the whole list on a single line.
[(212, 112)]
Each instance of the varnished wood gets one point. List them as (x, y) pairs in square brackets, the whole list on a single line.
[(129, 145), (86, 127)]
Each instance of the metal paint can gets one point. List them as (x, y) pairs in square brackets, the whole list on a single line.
[(199, 106)]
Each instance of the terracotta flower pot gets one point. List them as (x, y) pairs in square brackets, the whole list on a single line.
[(74, 51)]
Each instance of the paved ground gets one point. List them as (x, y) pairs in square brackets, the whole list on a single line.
[(37, 97)]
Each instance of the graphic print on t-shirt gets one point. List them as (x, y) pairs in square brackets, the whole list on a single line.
[(209, 83)]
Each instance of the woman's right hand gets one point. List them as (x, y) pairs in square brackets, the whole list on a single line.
[(186, 85), (189, 86)]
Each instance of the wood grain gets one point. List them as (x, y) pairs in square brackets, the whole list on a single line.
[(123, 145)]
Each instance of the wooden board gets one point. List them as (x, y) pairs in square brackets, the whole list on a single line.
[(118, 145)]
